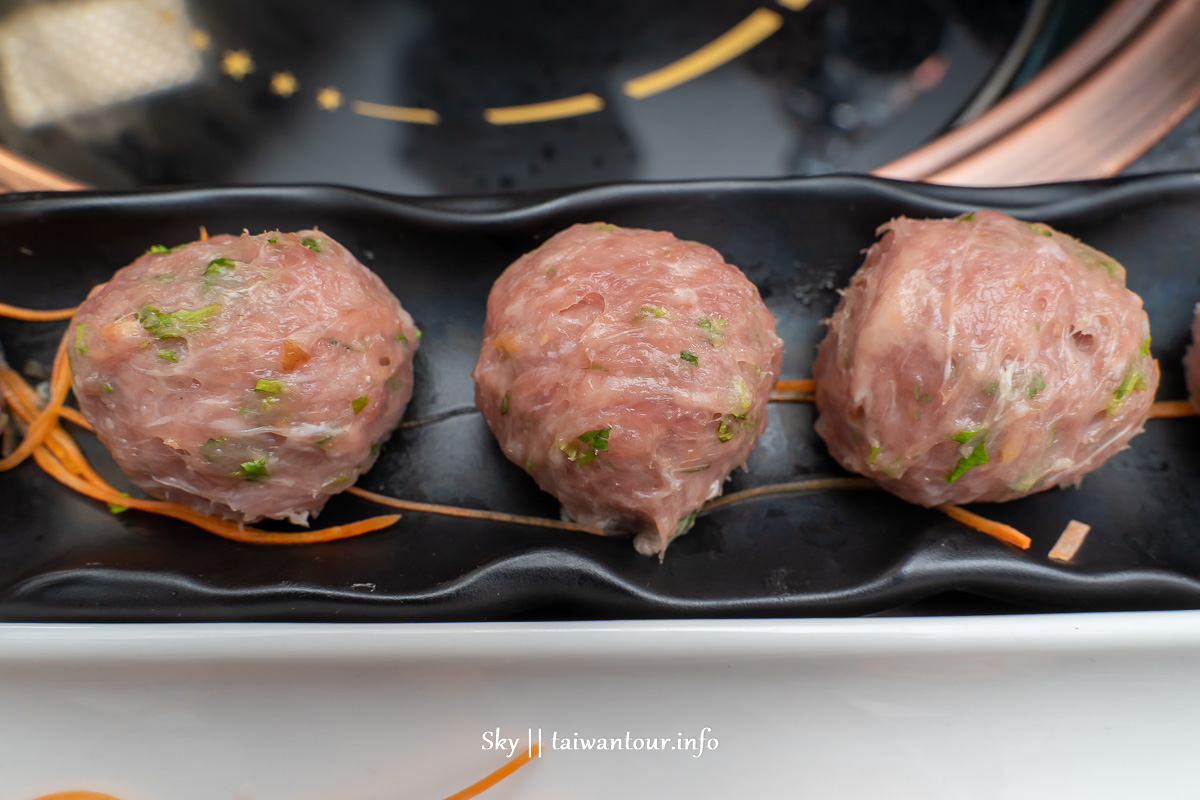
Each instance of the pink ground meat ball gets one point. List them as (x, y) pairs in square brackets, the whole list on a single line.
[(246, 376), (982, 359), (628, 372)]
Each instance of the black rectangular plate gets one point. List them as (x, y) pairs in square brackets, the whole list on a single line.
[(64, 557)]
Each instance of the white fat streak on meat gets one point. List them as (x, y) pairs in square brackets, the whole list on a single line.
[(575, 303)]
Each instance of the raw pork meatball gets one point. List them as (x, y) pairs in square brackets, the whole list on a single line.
[(982, 359), (628, 372), (247, 377), (1191, 364)]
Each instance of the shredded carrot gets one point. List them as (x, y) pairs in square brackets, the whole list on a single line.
[(1005, 533), (474, 513), (14, 394), (23, 401), (474, 790), (203, 234), (71, 415), (806, 385), (221, 527), (63, 447), (814, 485), (495, 777), (1171, 408), (778, 396), (34, 314), (60, 382), (1070, 541)]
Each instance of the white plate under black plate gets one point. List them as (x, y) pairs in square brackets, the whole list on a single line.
[(65, 557), (1040, 707)]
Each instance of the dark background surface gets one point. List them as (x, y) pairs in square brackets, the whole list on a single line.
[(843, 85), (834, 553)]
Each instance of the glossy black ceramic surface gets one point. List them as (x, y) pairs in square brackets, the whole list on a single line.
[(307, 91), (64, 557)]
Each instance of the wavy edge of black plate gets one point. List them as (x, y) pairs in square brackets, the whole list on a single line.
[(553, 583)]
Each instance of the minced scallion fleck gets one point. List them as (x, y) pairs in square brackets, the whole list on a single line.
[(219, 266), (254, 470), (650, 311), (176, 323), (743, 393), (117, 508), (597, 438), (593, 442), (212, 449), (976, 439), (686, 522), (713, 329)]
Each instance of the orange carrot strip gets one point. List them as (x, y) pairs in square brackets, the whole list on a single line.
[(492, 778), (67, 451), (60, 382), (803, 385), (203, 234), (330, 534), (778, 396), (1070, 541), (71, 415), (1005, 533), (23, 401), (1171, 408), (472, 513), (813, 485), (16, 402), (221, 527), (15, 385), (35, 315)]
